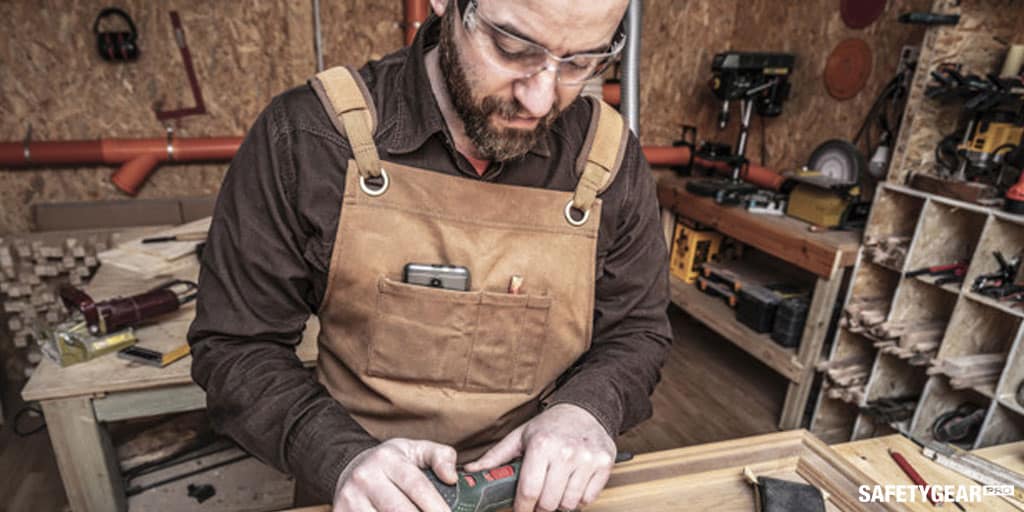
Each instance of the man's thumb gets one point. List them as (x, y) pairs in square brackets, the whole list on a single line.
[(507, 449)]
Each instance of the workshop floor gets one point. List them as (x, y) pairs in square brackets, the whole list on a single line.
[(710, 391)]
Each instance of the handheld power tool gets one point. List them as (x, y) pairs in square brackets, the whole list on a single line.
[(492, 490)]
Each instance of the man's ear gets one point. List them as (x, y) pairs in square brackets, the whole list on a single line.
[(439, 7)]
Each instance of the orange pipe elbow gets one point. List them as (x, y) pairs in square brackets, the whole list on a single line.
[(130, 177)]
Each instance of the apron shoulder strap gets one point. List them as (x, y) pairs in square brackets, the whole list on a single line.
[(601, 157), (344, 95)]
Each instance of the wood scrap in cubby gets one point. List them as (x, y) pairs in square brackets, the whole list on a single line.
[(887, 251), (845, 379), (970, 370), (863, 312)]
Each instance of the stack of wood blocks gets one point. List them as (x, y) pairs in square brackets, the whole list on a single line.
[(914, 341), (31, 274), (861, 313), (888, 251), (970, 370), (846, 378)]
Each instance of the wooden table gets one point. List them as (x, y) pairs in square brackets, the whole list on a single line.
[(79, 399), (827, 255), (709, 476)]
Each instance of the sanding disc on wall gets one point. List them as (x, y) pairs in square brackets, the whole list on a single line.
[(860, 13), (848, 68)]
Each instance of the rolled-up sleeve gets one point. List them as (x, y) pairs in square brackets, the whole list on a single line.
[(255, 296)]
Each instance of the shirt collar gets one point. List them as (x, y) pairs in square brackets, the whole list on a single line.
[(417, 115)]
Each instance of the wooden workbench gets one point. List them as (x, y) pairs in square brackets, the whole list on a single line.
[(825, 254), (79, 399), (708, 477)]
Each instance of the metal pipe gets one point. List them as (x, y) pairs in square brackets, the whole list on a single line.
[(631, 67), (318, 40)]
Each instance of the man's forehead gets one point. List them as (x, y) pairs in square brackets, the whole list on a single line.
[(563, 26)]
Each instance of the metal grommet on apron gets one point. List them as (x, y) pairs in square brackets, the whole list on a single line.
[(568, 215), (378, 192)]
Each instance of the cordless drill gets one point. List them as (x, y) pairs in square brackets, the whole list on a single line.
[(492, 490)]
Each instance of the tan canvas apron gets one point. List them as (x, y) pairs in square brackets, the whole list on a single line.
[(456, 367)]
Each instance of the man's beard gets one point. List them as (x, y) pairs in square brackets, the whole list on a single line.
[(491, 142)]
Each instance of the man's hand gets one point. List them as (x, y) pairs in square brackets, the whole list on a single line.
[(389, 478), (567, 457)]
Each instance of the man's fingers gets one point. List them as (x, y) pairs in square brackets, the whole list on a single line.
[(356, 502), (390, 497), (507, 449), (532, 474), (418, 489), (554, 487), (596, 485), (440, 458), (575, 488)]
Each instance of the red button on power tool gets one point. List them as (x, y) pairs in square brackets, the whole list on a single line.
[(470, 481), (502, 472)]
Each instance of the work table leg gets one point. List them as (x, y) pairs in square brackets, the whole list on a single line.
[(819, 315), (85, 456)]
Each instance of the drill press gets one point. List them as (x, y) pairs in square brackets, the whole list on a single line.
[(759, 81)]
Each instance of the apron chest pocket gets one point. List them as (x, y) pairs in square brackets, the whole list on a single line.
[(470, 341)]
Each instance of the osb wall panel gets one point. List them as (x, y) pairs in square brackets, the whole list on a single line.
[(247, 51), (355, 31), (975, 43), (680, 39), (52, 78)]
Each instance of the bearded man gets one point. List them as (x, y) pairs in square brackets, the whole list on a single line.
[(471, 154)]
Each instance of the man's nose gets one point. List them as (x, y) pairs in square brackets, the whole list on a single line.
[(537, 93)]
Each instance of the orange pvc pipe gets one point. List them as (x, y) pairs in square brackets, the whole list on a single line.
[(415, 15), (137, 157), (680, 155), (612, 93)]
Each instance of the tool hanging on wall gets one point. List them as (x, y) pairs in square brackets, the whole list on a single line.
[(860, 13), (116, 46), (186, 57), (886, 115), (759, 81), (847, 68), (994, 112)]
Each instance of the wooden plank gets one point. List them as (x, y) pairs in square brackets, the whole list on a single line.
[(710, 476), (819, 316), (783, 237), (722, 319), (871, 456), (84, 455), (151, 402)]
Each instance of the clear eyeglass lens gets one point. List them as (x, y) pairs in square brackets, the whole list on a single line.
[(527, 59)]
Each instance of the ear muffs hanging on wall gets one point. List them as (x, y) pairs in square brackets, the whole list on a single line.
[(116, 46)]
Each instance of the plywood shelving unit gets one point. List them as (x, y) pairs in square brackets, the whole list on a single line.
[(939, 231)]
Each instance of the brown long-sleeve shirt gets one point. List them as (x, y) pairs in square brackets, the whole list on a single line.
[(264, 270)]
